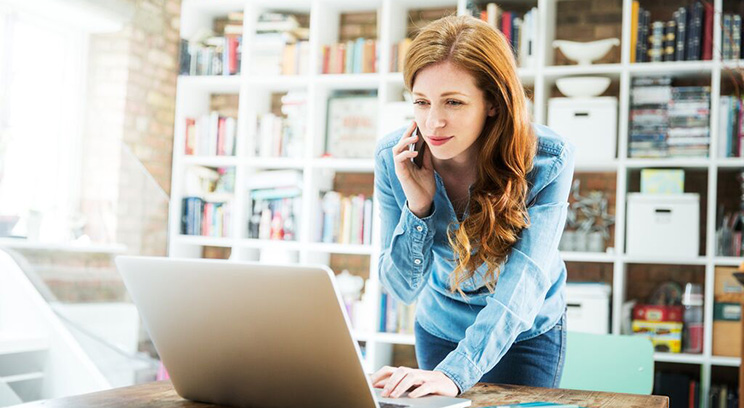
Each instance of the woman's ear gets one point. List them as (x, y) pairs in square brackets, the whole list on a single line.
[(491, 109)]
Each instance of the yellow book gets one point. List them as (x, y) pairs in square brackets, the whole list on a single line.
[(633, 30)]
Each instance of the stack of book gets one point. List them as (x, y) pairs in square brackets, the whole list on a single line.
[(730, 127), (277, 204), (731, 37), (689, 122), (345, 219), (205, 218), (206, 206), (649, 116), (215, 52), (396, 316), (210, 134), (668, 121), (521, 31), (282, 136), (280, 46), (350, 57), (687, 36)]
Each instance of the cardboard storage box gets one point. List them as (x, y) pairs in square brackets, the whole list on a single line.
[(727, 289), (726, 338)]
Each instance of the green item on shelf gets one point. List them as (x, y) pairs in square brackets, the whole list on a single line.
[(727, 311), (662, 181)]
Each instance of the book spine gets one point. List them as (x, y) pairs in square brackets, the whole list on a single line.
[(669, 40), (707, 36), (681, 33)]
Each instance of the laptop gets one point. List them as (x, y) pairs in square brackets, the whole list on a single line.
[(245, 334)]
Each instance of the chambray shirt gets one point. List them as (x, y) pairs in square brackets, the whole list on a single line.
[(528, 299)]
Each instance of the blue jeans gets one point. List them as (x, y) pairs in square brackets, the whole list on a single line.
[(536, 362)]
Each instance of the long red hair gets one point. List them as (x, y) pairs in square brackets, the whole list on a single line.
[(497, 209)]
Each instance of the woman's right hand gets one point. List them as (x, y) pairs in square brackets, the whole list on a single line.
[(418, 183)]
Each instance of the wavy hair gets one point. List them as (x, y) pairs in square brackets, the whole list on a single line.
[(497, 208)]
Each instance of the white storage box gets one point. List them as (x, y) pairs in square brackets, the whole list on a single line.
[(588, 307), (589, 123), (663, 225)]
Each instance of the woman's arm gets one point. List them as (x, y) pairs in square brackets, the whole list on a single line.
[(406, 255), (522, 286)]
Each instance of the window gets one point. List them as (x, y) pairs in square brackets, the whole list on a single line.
[(42, 75)]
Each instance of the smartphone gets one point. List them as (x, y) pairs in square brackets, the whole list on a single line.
[(419, 159)]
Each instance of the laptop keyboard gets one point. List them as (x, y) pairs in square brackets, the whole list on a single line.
[(392, 405)]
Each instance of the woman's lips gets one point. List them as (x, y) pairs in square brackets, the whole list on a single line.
[(438, 141)]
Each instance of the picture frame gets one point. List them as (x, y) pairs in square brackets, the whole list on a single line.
[(351, 126)]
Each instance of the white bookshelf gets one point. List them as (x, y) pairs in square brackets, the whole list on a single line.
[(193, 99)]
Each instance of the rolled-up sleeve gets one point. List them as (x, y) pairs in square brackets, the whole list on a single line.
[(406, 248), (523, 283)]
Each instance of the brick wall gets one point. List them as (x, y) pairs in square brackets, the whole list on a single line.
[(355, 25), (127, 149), (589, 20)]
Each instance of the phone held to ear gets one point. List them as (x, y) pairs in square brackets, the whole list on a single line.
[(419, 159)]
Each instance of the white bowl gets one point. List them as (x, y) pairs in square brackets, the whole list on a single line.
[(585, 52), (582, 86)]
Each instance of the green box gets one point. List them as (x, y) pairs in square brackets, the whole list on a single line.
[(662, 181), (730, 312)]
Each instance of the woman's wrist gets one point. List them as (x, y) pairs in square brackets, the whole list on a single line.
[(421, 212)]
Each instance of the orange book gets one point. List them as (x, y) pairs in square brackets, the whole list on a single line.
[(369, 56), (288, 59), (633, 30), (340, 58)]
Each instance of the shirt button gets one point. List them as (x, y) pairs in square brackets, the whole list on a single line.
[(417, 261), (419, 228)]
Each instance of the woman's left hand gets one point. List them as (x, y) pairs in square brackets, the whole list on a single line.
[(396, 381)]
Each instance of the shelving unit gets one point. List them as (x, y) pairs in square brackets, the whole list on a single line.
[(193, 96)]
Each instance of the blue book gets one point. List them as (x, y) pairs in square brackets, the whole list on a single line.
[(536, 404), (358, 51)]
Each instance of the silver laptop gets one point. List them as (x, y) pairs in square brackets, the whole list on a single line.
[(254, 335)]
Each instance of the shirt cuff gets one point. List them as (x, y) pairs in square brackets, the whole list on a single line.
[(461, 370)]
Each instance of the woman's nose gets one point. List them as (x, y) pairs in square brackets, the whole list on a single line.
[(435, 119)]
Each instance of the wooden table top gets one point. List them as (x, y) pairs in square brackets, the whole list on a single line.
[(162, 395)]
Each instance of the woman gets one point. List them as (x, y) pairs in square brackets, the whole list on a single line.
[(472, 233)]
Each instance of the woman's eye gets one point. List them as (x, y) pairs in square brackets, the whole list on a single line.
[(419, 102), (454, 103)]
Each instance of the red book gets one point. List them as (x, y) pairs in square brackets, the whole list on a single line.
[(232, 44), (326, 58), (341, 61), (691, 399), (484, 15), (506, 25), (708, 32)]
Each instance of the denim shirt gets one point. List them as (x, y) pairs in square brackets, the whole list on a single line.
[(415, 262)]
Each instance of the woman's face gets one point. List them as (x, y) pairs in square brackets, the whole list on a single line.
[(450, 110)]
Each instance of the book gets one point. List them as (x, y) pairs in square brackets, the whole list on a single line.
[(634, 30), (670, 32), (681, 15), (536, 404), (707, 35)]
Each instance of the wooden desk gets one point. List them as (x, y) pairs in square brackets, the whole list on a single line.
[(162, 395)]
